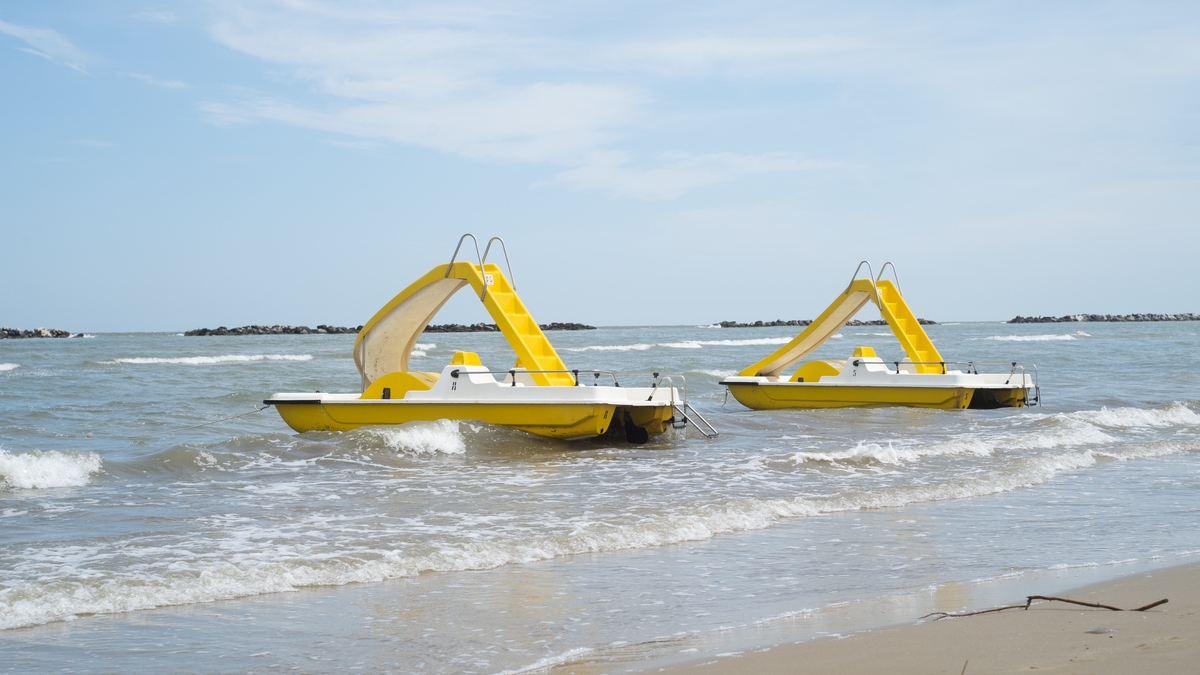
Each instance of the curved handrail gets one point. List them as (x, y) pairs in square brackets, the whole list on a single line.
[(870, 277), (512, 280), (895, 275), (450, 265)]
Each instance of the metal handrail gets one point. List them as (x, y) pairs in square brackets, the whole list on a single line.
[(454, 257), (870, 277), (1014, 366), (895, 275), (487, 249)]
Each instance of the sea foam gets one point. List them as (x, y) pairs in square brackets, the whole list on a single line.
[(685, 344), (47, 469), (422, 438), (211, 360), (9, 366)]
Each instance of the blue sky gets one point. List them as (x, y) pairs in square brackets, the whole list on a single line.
[(170, 166)]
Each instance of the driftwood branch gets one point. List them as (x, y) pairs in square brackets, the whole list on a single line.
[(1029, 601)]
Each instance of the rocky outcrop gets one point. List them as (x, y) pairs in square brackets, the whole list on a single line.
[(493, 328), (805, 322), (339, 330), (17, 333), (1110, 318), (275, 330)]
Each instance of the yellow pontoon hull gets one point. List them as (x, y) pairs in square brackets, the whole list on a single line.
[(799, 395), (553, 420)]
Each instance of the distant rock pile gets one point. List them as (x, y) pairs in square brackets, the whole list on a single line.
[(275, 330), (806, 322), (493, 328), (1110, 318), (17, 333), (339, 330)]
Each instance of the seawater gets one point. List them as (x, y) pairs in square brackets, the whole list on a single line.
[(160, 545)]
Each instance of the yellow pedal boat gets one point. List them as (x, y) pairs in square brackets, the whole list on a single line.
[(922, 379), (538, 394)]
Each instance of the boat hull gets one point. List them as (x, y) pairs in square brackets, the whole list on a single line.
[(774, 396), (552, 420)]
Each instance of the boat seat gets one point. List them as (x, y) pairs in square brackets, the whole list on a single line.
[(813, 371), (399, 384)]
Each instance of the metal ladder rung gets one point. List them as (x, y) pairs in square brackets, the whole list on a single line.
[(684, 409)]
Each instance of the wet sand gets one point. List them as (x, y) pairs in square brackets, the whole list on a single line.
[(1051, 637)]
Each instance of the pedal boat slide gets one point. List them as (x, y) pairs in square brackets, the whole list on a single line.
[(922, 379), (538, 394)]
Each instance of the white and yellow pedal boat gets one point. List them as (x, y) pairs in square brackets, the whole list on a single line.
[(538, 394), (922, 379)]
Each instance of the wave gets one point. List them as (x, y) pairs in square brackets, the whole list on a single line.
[(47, 469), (277, 564), (715, 373), (9, 366), (1029, 338), (1174, 414), (685, 344), (425, 346), (211, 360), (423, 438)]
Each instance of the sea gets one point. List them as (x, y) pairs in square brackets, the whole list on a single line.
[(153, 520)]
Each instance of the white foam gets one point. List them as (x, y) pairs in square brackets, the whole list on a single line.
[(9, 366), (211, 360), (716, 373), (1175, 414), (424, 347), (416, 353), (684, 344), (890, 454), (442, 436), (47, 469), (1028, 338), (549, 661)]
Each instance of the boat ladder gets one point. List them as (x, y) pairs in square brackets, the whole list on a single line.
[(682, 412)]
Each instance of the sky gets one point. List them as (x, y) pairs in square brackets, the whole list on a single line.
[(170, 166)]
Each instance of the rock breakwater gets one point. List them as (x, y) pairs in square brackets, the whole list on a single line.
[(1110, 318), (806, 322), (17, 333)]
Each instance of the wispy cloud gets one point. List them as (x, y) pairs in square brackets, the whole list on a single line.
[(167, 84), (156, 16), (474, 81), (48, 44), (676, 173)]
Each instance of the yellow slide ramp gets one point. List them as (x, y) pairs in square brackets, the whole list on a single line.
[(825, 326), (892, 307), (385, 342)]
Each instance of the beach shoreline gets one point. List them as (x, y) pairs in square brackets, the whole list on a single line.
[(1049, 637)]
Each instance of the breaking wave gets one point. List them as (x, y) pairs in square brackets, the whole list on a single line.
[(211, 360), (9, 366), (1175, 414), (278, 565), (47, 469), (423, 438), (685, 344)]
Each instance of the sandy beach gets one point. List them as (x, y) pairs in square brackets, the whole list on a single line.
[(1051, 637)]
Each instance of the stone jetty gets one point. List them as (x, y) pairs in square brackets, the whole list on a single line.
[(805, 322), (1110, 318), (17, 333)]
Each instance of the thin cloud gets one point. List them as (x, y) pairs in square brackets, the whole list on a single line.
[(48, 44), (677, 173), (166, 84), (156, 16)]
